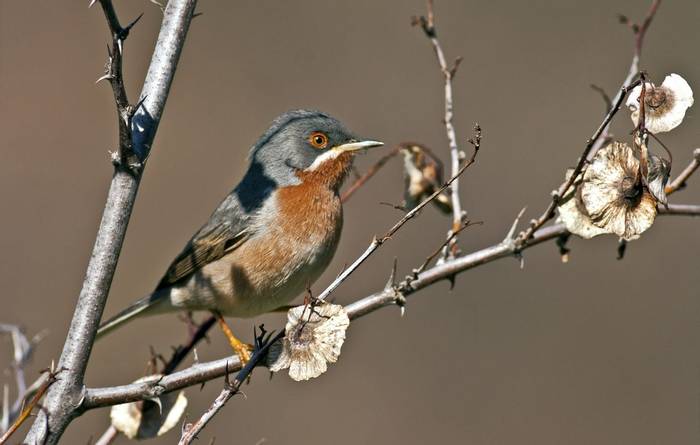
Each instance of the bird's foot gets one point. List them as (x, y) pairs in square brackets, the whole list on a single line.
[(242, 350)]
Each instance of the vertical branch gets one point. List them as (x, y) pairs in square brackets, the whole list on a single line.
[(428, 27), (64, 398)]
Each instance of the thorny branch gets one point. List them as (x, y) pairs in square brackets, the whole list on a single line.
[(392, 295), (549, 212), (113, 73), (680, 181), (64, 398), (600, 135), (427, 24), (263, 341)]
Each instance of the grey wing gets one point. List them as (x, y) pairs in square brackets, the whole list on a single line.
[(225, 231)]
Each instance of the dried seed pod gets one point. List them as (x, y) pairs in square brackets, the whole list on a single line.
[(314, 337), (572, 212), (665, 105), (613, 193)]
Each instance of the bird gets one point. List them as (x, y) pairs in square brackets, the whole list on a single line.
[(272, 236), (423, 175)]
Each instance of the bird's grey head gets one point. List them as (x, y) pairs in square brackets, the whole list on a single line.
[(298, 141), (302, 140)]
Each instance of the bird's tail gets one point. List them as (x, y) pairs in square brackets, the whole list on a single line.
[(144, 306)]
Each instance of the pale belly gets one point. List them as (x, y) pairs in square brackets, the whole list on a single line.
[(261, 275)]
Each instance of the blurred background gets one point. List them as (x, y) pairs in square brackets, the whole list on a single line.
[(593, 351)]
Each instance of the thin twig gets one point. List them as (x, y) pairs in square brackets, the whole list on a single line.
[(29, 407), (639, 32), (604, 96), (680, 181), (23, 349), (182, 351), (428, 27), (437, 251), (377, 242), (600, 136), (680, 209), (549, 212), (360, 181)]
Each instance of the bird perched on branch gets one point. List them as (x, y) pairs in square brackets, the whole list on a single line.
[(423, 175), (272, 236)]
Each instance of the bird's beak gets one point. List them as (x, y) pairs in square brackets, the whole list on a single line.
[(358, 145)]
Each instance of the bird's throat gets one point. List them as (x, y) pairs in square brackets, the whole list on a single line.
[(330, 173)]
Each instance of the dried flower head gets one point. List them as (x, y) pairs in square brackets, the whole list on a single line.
[(573, 213), (665, 105), (314, 336), (613, 193), (150, 418)]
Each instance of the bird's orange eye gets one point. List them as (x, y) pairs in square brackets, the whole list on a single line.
[(318, 140)]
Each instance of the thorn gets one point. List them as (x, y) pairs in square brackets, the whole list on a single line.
[(92, 2), (124, 32), (114, 157), (400, 301), (563, 250), (510, 236), (391, 283), (621, 248), (105, 77), (453, 70), (158, 402), (139, 104)]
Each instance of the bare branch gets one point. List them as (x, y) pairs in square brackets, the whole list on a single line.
[(449, 239), (680, 181), (23, 349), (64, 398), (390, 295), (428, 27), (376, 242), (680, 209), (601, 133), (33, 403), (549, 212)]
